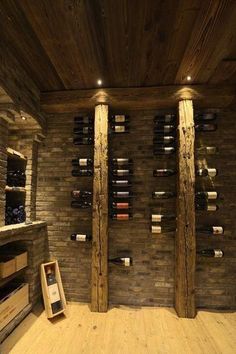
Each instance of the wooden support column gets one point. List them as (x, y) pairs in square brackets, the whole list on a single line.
[(99, 296), (185, 244)]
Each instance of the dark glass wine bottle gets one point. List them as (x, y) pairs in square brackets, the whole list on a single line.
[(160, 217), (122, 118), (80, 204), (121, 183), (83, 141), (163, 140), (205, 127), (123, 261), (206, 195), (120, 194), (122, 173), (122, 161), (82, 162), (121, 216), (211, 230), (120, 128), (206, 207), (83, 130), (160, 128), (164, 150), (83, 120), (205, 117), (165, 172), (157, 229), (165, 118), (208, 150), (203, 172), (163, 195), (118, 205), (81, 194), (53, 290), (81, 173), (210, 252), (81, 237)]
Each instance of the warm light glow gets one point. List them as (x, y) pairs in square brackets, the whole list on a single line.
[(189, 78), (99, 82), (23, 117)]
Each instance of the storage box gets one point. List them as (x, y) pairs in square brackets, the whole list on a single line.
[(21, 258), (7, 266), (13, 299)]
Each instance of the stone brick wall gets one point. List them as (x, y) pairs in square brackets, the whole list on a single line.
[(151, 280), (3, 167)]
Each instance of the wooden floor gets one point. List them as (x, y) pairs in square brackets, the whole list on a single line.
[(123, 330)]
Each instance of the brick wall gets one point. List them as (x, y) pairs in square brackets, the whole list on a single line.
[(3, 167), (150, 281)]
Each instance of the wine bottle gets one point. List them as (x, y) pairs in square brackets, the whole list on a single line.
[(125, 194), (122, 161), (206, 195), (121, 216), (210, 252), (81, 194), (163, 139), (81, 237), (205, 127), (83, 120), (160, 217), (80, 204), (118, 205), (211, 230), (157, 229), (83, 141), (121, 183), (81, 173), (53, 290), (206, 207), (83, 130), (164, 150), (203, 172), (165, 118), (121, 173), (165, 172), (120, 128), (163, 195), (82, 162), (160, 128), (122, 118), (123, 261), (208, 150), (205, 117)]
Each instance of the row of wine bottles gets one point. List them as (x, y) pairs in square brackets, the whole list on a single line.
[(15, 215), (203, 172), (209, 230), (83, 130), (16, 178)]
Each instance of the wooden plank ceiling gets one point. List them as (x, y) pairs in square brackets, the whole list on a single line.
[(69, 44)]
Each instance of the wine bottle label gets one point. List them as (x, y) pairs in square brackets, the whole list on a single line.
[(122, 172), (119, 128), (218, 253), (85, 130), (156, 217), (211, 207), (86, 120), (120, 118), (83, 162), (156, 229), (122, 216), (126, 261), (124, 182), (217, 230), (168, 118), (212, 172), (212, 195), (81, 237), (122, 194), (121, 161), (122, 205), (54, 294)]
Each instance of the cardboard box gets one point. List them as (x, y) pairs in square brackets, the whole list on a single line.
[(21, 259), (7, 266)]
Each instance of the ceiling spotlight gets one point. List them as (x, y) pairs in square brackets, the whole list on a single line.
[(189, 78), (23, 117), (99, 82)]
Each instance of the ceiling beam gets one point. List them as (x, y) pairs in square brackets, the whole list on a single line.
[(209, 96)]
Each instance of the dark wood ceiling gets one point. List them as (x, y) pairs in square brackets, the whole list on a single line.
[(69, 44)]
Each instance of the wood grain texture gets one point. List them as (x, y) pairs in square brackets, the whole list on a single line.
[(138, 98), (99, 286), (185, 243)]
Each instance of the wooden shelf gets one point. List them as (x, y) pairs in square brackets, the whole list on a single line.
[(15, 189), (4, 281), (15, 154)]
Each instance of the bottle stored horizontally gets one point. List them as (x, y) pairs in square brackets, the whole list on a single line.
[(163, 139), (165, 118), (123, 261), (82, 162), (161, 217), (157, 229), (210, 252), (164, 150), (121, 194), (164, 172), (120, 128), (83, 130), (206, 207), (208, 150), (205, 127), (77, 194), (81, 237), (211, 230), (120, 118), (83, 140), (122, 161), (120, 183), (118, 205), (163, 195), (53, 290), (81, 173), (205, 117), (121, 173), (121, 216), (163, 128), (83, 120), (81, 204), (203, 172), (213, 195)]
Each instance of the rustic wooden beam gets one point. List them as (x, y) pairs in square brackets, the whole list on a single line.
[(137, 98), (99, 296), (185, 243)]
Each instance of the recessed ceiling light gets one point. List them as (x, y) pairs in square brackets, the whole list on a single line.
[(99, 82), (189, 78), (23, 117)]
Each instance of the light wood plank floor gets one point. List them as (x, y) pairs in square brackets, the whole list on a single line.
[(123, 330)]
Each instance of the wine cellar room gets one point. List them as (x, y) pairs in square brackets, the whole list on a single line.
[(117, 176)]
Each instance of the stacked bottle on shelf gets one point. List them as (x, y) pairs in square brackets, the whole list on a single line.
[(16, 178), (15, 215), (120, 124), (207, 200)]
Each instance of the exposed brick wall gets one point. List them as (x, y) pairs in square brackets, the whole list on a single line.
[(3, 167), (151, 280)]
